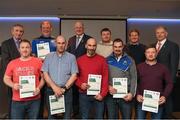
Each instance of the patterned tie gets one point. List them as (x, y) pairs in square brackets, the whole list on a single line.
[(158, 47), (77, 41)]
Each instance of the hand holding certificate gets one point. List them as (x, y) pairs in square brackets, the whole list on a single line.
[(120, 84), (57, 105), (151, 101), (42, 50), (94, 81), (27, 84)]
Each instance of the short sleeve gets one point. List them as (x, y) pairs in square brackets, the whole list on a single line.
[(45, 65), (9, 69), (74, 67)]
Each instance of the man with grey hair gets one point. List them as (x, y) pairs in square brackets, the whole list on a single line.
[(76, 46), (9, 51), (60, 69), (168, 55)]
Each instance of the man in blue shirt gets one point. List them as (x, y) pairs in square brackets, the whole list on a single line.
[(46, 29), (60, 69)]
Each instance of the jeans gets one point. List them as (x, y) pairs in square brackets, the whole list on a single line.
[(87, 102), (141, 114), (68, 103), (75, 100), (9, 99), (42, 104), (168, 108), (115, 104), (20, 108)]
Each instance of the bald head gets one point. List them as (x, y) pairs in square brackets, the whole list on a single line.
[(91, 41), (61, 44), (91, 45), (61, 38), (79, 28)]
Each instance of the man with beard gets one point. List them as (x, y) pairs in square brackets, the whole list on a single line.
[(92, 64), (121, 66), (152, 76)]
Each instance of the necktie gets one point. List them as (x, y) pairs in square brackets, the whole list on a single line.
[(17, 44), (77, 41), (158, 47)]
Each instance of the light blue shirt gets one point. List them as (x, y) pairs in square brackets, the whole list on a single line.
[(60, 68)]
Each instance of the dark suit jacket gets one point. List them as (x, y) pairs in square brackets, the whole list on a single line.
[(81, 50), (169, 56), (9, 52)]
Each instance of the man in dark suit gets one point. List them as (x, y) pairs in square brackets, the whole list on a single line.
[(9, 51), (168, 54), (76, 46)]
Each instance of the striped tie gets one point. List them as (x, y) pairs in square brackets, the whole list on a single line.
[(158, 47), (77, 41)]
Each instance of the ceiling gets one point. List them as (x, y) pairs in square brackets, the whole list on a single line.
[(90, 8)]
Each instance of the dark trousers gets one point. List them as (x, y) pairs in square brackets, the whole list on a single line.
[(19, 109), (116, 104), (9, 92), (141, 114), (75, 101), (87, 102), (68, 103), (42, 104), (168, 108)]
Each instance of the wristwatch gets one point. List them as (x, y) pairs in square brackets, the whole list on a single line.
[(65, 88)]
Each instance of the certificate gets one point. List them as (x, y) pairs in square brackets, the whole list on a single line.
[(120, 84), (95, 84), (42, 49), (56, 104), (27, 84), (151, 101)]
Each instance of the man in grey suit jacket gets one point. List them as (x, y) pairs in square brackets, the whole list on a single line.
[(168, 54), (76, 46), (9, 51)]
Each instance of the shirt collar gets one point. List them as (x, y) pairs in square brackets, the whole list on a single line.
[(107, 44), (60, 55), (80, 37), (16, 40), (134, 44), (162, 42)]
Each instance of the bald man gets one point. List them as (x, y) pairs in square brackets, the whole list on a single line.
[(60, 69), (76, 46), (92, 64)]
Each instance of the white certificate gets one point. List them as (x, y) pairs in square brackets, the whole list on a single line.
[(120, 84), (27, 86), (42, 50), (151, 101), (57, 105), (95, 84)]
